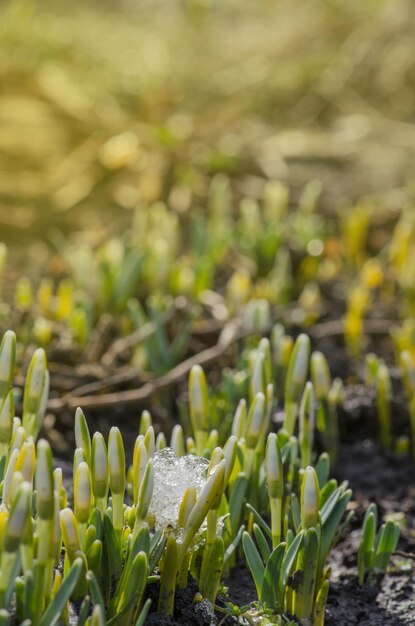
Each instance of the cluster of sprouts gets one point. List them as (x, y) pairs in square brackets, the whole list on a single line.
[(277, 254), (190, 506)]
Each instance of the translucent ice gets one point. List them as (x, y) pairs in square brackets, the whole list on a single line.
[(172, 476)]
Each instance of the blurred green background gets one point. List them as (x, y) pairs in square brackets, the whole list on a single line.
[(104, 105)]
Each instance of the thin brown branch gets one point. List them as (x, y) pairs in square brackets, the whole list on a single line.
[(336, 327), (124, 375), (229, 335), (83, 396), (98, 340), (405, 555), (123, 344)]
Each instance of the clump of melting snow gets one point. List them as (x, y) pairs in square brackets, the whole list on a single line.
[(172, 476)]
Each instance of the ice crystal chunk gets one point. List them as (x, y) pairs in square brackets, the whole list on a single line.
[(172, 476)]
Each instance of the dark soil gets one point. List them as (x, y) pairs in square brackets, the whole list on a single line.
[(186, 611), (388, 481)]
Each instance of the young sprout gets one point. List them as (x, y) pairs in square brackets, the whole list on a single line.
[(209, 495), (309, 499), (45, 506), (16, 526), (408, 376), (150, 441), (99, 471), (257, 315), (190, 445), (376, 548), (355, 224), (8, 478), (161, 441), (358, 302), (320, 375), (258, 383), (26, 460), (145, 494), (18, 517), (371, 368), (275, 484), (170, 567), (7, 362), (78, 457), (296, 378), (199, 407), (18, 438), (140, 459), (229, 451), (145, 422), (116, 463), (70, 533), (64, 299), (264, 348), (255, 420), (44, 295), (35, 394), (239, 420), (82, 436), (407, 365), (211, 560), (82, 497), (384, 392), (310, 301), (326, 409), (44, 497), (6, 423), (73, 551), (177, 440), (217, 456), (79, 324), (310, 555), (186, 506), (133, 589), (23, 295), (306, 425), (282, 346)]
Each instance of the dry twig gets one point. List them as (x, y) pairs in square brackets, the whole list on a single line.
[(231, 333)]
